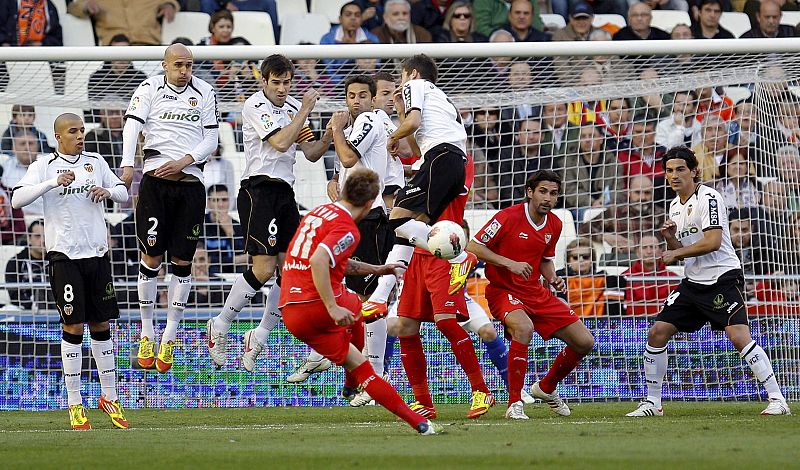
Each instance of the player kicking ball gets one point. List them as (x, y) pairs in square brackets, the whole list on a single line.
[(519, 245), (697, 233), (73, 185), (316, 307)]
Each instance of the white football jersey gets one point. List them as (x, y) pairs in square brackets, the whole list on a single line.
[(367, 137), (704, 210), (260, 120), (441, 121), (395, 175), (73, 224), (174, 120)]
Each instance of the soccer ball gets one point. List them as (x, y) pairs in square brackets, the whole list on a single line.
[(446, 239)]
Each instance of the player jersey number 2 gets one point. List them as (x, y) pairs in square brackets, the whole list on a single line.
[(302, 245)]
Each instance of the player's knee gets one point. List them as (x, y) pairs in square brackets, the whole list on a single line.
[(391, 327), (264, 268), (98, 333), (658, 336), (72, 334), (181, 270), (584, 344), (405, 327), (148, 264), (487, 333), (521, 333)]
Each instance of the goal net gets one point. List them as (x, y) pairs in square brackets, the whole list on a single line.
[(601, 120)]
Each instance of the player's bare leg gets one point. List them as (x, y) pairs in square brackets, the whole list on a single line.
[(520, 327), (655, 367), (147, 287)]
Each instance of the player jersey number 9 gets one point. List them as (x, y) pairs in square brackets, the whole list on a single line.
[(302, 244)]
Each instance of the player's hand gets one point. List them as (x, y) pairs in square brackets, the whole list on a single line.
[(310, 98), (393, 146), (173, 167), (559, 284), (127, 176), (92, 7), (669, 257), (341, 316), (520, 269), (668, 229), (339, 120), (98, 194), (333, 190), (65, 179), (397, 269), (399, 104)]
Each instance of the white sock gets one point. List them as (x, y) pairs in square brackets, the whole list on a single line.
[(376, 344), (759, 363), (314, 356), (103, 353), (240, 295), (71, 364), (399, 254), (147, 300), (415, 231), (655, 368), (178, 294), (271, 316)]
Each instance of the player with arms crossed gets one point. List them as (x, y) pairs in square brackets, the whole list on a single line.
[(178, 115), (697, 232), (274, 125), (518, 245), (318, 310), (73, 186)]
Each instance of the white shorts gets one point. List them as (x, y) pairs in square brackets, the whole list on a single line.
[(477, 316)]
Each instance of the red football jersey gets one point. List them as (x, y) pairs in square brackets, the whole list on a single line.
[(331, 227), (512, 233)]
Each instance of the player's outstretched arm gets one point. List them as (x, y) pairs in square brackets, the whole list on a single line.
[(515, 267), (711, 241), (359, 268), (548, 270), (130, 139), (320, 263), (30, 189)]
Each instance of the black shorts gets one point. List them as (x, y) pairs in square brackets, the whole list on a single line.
[(169, 217), (268, 214), (83, 289), (692, 305), (438, 182), (376, 241)]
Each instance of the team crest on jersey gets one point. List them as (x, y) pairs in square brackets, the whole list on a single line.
[(344, 243), (493, 227), (272, 240), (192, 101), (151, 240), (68, 309), (548, 237), (88, 167)]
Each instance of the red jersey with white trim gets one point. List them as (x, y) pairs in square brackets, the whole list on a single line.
[(513, 234), (330, 227)]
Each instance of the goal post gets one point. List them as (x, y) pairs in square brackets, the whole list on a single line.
[(599, 113)]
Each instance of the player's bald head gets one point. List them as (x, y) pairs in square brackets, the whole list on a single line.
[(176, 51), (66, 121)]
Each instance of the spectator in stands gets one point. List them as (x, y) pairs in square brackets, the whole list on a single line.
[(769, 23), (309, 74), (680, 31), (756, 256), (579, 25), (372, 13), (24, 152), (643, 156), (397, 27), (678, 5), (622, 224), (584, 112), (348, 31), (712, 100), (681, 127), (655, 103), (221, 28), (203, 295), (707, 26), (29, 23), (459, 24), (616, 124), (116, 79), (639, 17), (30, 267), (366, 65), (493, 14), (611, 68), (776, 214), (751, 8), (520, 160), (559, 138), (590, 292), (520, 23), (218, 170), (747, 127), (140, 19), (499, 65), (591, 176), (712, 148), (12, 222), (788, 123), (267, 6), (519, 80), (646, 297), (22, 120), (789, 174), (484, 138), (737, 183), (107, 139), (223, 237)]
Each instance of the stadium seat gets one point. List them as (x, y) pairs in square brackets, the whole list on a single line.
[(304, 28), (311, 184), (667, 19), (226, 139), (792, 18), (329, 8), (27, 79), (568, 233), (737, 93), (553, 21), (77, 31), (255, 26), (188, 24), (46, 115), (238, 161), (78, 74), (61, 8), (288, 8), (601, 19), (735, 22)]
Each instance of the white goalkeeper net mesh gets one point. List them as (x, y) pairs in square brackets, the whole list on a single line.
[(601, 122)]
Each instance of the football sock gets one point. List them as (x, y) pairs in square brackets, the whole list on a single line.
[(71, 363), (498, 354), (517, 368), (759, 363), (243, 290), (462, 347), (179, 288), (385, 395), (387, 358), (271, 316), (103, 353), (376, 344), (415, 231), (146, 285), (400, 254), (314, 356), (357, 340), (413, 358), (655, 368), (566, 361)]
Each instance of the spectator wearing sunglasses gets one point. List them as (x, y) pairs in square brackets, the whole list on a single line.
[(459, 24), (590, 293)]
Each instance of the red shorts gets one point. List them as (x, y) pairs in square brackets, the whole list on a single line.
[(547, 312), (425, 287), (310, 323)]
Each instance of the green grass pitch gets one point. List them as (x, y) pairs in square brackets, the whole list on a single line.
[(691, 435)]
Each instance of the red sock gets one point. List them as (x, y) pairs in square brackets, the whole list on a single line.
[(462, 347), (385, 395), (566, 361), (517, 368), (357, 340), (413, 358)]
